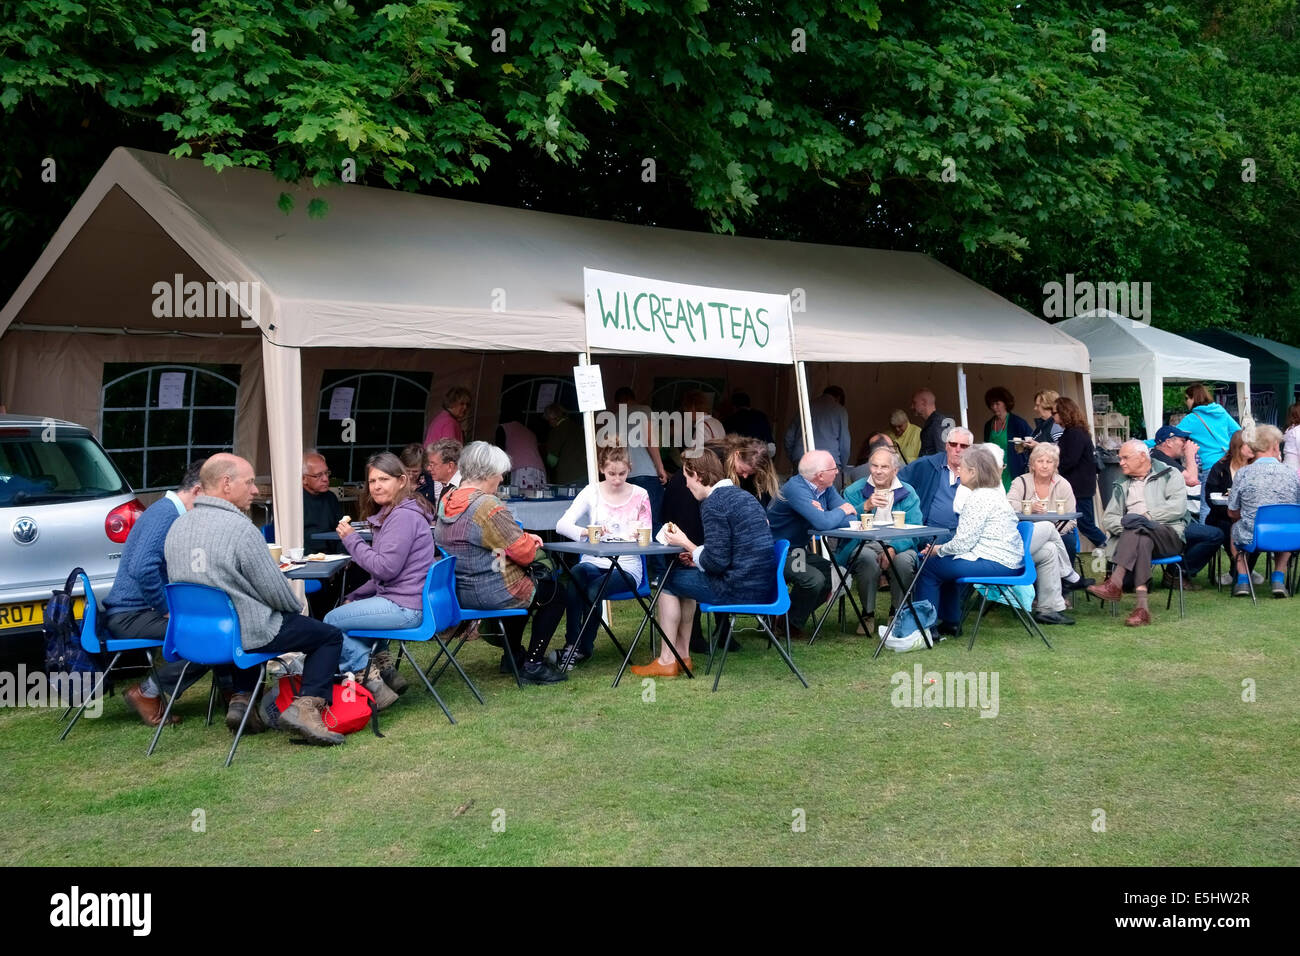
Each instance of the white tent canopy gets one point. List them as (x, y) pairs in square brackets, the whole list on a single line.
[(388, 269), (1126, 350)]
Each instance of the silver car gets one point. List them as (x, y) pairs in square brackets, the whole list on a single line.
[(63, 504)]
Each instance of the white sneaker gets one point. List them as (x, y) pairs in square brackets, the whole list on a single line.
[(1257, 577), (1226, 578), (909, 642)]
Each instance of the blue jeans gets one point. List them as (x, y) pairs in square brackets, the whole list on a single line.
[(1203, 540), (368, 614), (692, 584), (937, 582), (1088, 522)]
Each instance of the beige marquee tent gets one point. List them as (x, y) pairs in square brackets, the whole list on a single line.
[(416, 276)]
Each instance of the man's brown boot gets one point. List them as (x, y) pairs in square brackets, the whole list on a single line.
[(303, 717), (150, 709)]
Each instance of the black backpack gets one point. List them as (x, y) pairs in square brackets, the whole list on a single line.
[(63, 651)]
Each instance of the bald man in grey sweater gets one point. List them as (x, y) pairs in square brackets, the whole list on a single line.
[(218, 545)]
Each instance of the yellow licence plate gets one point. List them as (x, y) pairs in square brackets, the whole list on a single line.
[(33, 614)]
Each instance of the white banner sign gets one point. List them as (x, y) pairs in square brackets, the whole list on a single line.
[(631, 314)]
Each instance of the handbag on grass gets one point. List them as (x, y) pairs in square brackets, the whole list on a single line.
[(351, 709)]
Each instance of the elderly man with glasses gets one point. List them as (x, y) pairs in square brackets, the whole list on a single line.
[(808, 505), (321, 511), (937, 480)]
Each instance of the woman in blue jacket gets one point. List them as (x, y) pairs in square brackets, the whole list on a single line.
[(1211, 427)]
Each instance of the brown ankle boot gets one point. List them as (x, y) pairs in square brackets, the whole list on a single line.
[(303, 716), (388, 673), (384, 695)]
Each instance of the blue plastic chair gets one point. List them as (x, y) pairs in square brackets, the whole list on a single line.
[(440, 612), (92, 644), (1002, 585), (1277, 528), (203, 628), (778, 606)]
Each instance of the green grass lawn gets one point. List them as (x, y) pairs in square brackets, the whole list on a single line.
[(1147, 725)]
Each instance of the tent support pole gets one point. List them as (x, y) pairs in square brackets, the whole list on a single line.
[(805, 412), (961, 394)]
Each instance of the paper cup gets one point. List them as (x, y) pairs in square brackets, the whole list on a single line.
[(276, 551), (1060, 507), (294, 554), (900, 518), (868, 520), (1027, 507), (643, 537), (593, 533)]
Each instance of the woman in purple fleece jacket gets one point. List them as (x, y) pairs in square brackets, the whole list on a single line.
[(398, 561)]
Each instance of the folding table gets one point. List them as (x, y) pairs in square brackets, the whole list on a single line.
[(883, 535), (616, 549)]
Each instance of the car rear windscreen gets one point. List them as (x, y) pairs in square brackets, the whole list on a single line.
[(67, 467)]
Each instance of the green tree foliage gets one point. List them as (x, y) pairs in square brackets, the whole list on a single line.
[(1014, 142)]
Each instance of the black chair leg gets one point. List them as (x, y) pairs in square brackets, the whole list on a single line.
[(443, 649), (424, 677), (93, 694), (722, 661), (979, 617), (212, 699), (167, 711), (261, 676), (780, 650)]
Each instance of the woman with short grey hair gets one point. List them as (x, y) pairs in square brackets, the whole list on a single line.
[(986, 543), (480, 460), (492, 557)]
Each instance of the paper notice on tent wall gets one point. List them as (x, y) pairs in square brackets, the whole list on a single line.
[(591, 391), (546, 395), (171, 390), (341, 403)]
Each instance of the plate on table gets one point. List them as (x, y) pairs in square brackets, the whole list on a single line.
[(320, 557), (290, 565)]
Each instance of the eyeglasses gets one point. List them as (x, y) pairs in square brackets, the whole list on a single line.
[(320, 474), (958, 444), (832, 470)]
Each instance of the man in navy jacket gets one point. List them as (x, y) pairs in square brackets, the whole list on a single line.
[(808, 505), (136, 607), (935, 479)]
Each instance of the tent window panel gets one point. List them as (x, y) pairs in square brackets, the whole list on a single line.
[(387, 409), (132, 465), (164, 467), (169, 427), (152, 444), (212, 426), (521, 395), (123, 431), (407, 394), (668, 392)]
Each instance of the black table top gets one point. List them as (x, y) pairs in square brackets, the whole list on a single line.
[(1048, 516), (318, 570)]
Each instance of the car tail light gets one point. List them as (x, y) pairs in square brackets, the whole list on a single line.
[(121, 519)]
